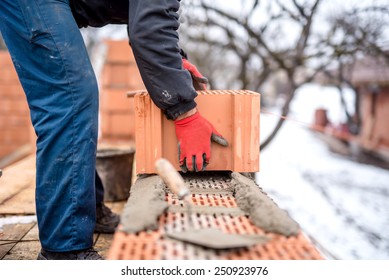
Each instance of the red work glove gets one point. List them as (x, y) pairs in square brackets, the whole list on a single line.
[(194, 135), (199, 81)]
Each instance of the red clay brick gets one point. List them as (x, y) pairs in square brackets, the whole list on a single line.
[(8, 73), (14, 121), (11, 91), (14, 135), (8, 148), (235, 114), (152, 245), (114, 100), (117, 125), (32, 139), (135, 82), (120, 75), (14, 106), (14, 112), (118, 51), (116, 76)]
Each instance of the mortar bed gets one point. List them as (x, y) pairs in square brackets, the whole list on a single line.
[(229, 218)]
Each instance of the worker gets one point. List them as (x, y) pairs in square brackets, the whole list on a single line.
[(54, 69)]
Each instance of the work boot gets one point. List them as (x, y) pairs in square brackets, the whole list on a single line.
[(89, 254), (106, 220)]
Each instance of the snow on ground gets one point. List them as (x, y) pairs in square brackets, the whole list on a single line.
[(16, 220), (341, 204)]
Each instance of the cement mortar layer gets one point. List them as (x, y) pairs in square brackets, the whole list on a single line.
[(208, 210), (211, 191), (147, 202), (144, 206), (262, 211)]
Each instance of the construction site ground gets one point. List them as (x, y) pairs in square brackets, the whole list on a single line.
[(20, 241)]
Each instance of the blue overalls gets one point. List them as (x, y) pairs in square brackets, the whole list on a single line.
[(54, 69)]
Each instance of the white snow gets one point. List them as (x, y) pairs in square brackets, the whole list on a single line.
[(17, 220), (341, 204)]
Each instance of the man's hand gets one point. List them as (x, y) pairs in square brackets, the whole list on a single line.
[(199, 81), (194, 134)]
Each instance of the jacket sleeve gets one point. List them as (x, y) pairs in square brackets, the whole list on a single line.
[(98, 13), (152, 30)]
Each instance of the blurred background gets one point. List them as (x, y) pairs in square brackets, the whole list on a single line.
[(322, 68)]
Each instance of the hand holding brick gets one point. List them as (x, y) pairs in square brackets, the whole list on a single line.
[(194, 136), (199, 81)]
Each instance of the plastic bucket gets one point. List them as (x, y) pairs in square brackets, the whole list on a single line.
[(114, 167)]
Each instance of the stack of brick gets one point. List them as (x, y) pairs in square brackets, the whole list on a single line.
[(234, 113), (15, 124), (119, 75)]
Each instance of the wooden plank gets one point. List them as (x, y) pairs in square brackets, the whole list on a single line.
[(109, 204), (23, 203), (12, 232), (95, 237), (16, 178), (103, 244), (27, 250), (5, 248), (15, 232), (32, 235), (117, 207), (15, 156), (26, 243)]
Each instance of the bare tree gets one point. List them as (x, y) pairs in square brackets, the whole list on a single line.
[(268, 37), (354, 35), (262, 43)]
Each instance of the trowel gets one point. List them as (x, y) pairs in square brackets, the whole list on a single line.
[(207, 237)]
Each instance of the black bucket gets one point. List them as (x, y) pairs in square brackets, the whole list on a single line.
[(114, 167)]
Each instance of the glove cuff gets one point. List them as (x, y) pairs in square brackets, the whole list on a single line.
[(187, 120)]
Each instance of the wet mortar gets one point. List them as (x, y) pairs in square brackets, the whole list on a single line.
[(263, 211), (147, 202), (144, 206)]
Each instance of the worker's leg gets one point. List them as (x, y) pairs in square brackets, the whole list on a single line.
[(154, 39), (106, 220), (54, 69), (99, 188)]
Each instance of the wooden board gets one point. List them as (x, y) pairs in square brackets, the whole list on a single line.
[(22, 203), (11, 235), (32, 235), (116, 207), (103, 244), (24, 251), (16, 178)]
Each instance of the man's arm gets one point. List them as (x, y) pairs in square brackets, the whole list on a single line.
[(152, 29)]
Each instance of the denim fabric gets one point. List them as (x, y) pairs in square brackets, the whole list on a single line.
[(53, 66)]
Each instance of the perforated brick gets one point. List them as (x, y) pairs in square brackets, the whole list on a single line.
[(223, 213), (234, 114)]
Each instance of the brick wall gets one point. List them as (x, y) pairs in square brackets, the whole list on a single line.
[(15, 124), (375, 133), (119, 76)]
